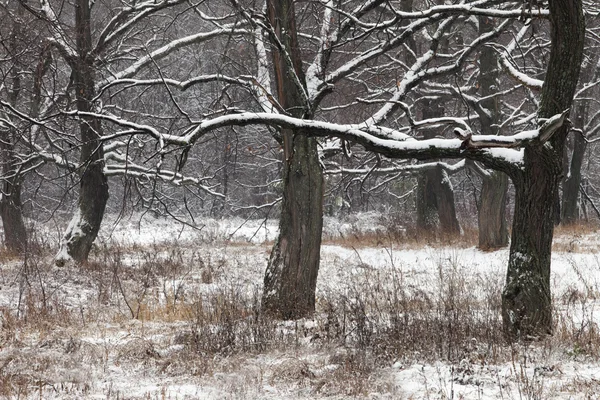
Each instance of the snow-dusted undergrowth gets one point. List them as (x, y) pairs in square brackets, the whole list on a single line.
[(165, 311)]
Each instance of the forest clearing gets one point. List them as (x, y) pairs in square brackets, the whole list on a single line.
[(167, 312), (299, 199)]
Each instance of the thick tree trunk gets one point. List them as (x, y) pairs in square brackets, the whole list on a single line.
[(291, 275), (93, 192), (85, 223), (526, 298), (491, 220)]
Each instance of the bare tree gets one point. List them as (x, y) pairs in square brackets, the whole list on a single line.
[(354, 43), (98, 57), (291, 276)]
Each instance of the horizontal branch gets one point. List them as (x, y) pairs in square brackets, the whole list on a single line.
[(536, 136), (402, 170)]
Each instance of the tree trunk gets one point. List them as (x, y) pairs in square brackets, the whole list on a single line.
[(491, 219), (571, 186), (291, 275), (436, 211), (526, 298), (93, 192), (427, 218), (570, 200), (435, 195), (493, 230), (11, 209)]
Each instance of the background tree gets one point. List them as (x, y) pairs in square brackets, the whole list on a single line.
[(491, 221)]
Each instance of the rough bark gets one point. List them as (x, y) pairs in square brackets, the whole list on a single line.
[(491, 220), (291, 275), (93, 191), (526, 298)]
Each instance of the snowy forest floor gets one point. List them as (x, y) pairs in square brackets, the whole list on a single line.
[(165, 312)]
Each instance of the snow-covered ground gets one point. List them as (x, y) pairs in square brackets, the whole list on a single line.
[(168, 312)]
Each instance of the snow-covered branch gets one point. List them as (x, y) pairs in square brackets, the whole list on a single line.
[(169, 48), (412, 169), (502, 151), (509, 66)]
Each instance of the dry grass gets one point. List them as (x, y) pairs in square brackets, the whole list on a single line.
[(405, 239), (378, 318), (576, 238)]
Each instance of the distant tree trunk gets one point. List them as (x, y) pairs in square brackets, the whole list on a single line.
[(291, 275), (436, 209), (435, 195), (11, 208), (571, 185), (493, 230), (526, 298), (93, 191), (427, 218)]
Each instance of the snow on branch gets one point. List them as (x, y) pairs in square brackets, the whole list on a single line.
[(59, 36), (139, 172), (420, 71), (510, 68), (169, 48), (413, 169), (487, 8), (522, 139), (127, 17), (242, 80)]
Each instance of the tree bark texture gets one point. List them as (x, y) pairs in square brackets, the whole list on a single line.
[(93, 191), (291, 275), (526, 298), (491, 220)]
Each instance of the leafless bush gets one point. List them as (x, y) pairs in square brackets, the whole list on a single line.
[(394, 320), (226, 321)]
